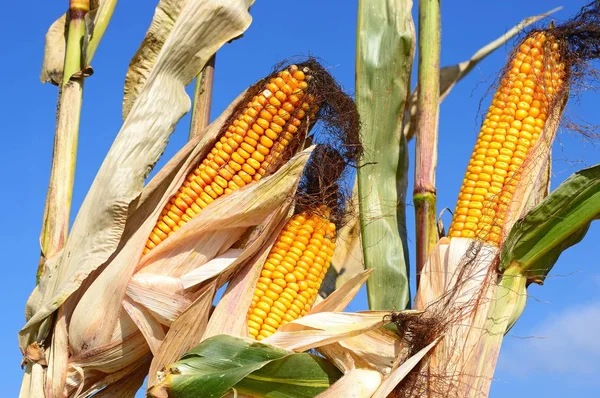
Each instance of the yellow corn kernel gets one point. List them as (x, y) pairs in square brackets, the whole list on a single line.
[(290, 296), (247, 151), (506, 138)]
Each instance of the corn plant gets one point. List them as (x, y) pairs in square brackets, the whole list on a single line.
[(259, 203)]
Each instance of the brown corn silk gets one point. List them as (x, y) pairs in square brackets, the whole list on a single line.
[(534, 79), (252, 146)]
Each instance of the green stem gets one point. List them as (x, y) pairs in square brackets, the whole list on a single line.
[(427, 129), (202, 98), (103, 16)]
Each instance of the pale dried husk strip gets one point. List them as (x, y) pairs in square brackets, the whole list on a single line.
[(400, 371), (356, 383)]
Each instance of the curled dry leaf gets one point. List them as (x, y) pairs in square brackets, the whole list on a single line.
[(54, 52), (165, 15)]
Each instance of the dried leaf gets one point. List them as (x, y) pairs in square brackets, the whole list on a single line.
[(165, 15), (54, 52), (347, 260), (149, 327), (162, 295), (162, 102), (184, 333), (315, 330), (340, 298)]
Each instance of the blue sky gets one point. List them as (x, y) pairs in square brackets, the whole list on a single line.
[(553, 351)]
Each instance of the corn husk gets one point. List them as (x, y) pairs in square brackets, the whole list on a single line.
[(193, 245), (457, 284), (347, 260)]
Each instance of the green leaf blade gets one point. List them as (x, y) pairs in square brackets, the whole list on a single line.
[(557, 223), (385, 50), (223, 362), (299, 375)]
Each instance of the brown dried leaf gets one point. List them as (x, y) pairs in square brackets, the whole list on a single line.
[(54, 52)]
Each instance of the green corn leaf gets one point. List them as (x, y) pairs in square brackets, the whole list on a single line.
[(295, 376), (384, 57), (557, 223), (223, 362)]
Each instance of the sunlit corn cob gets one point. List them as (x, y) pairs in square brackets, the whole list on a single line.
[(512, 126), (292, 274), (250, 147)]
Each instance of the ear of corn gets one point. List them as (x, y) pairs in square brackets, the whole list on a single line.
[(251, 147), (293, 272), (512, 126)]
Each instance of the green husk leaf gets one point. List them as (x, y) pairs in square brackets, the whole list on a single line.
[(298, 375), (557, 223), (384, 57), (223, 362)]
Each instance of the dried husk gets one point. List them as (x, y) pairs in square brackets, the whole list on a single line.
[(89, 335)]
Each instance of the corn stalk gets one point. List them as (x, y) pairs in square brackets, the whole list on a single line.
[(424, 195), (202, 98), (55, 224)]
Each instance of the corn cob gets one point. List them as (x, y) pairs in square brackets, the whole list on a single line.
[(293, 272), (251, 146), (512, 126)]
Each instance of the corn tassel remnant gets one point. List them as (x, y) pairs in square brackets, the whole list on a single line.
[(252, 146), (293, 272), (512, 126)]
